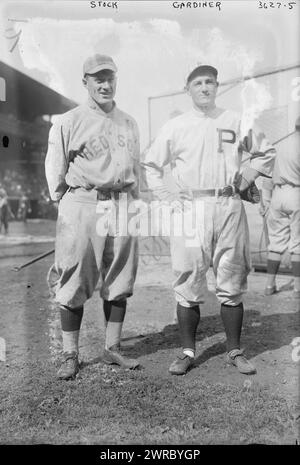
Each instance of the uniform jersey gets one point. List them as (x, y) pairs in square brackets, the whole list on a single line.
[(204, 151), (287, 163), (92, 149)]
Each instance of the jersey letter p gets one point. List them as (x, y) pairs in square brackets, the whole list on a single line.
[(230, 139)]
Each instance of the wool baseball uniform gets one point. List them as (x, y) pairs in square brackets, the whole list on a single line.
[(91, 151), (205, 152), (284, 214)]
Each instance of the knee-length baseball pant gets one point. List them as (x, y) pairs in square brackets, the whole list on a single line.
[(284, 220), (86, 255), (222, 238)]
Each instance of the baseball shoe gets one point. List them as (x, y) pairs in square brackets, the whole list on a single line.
[(269, 290), (114, 356), (236, 358), (69, 367), (181, 365)]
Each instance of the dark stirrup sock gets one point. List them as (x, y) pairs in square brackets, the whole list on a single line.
[(71, 318), (273, 266), (295, 268), (106, 309), (232, 317), (188, 320), (114, 311)]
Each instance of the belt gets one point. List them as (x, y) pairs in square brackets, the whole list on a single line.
[(227, 191), (286, 184), (100, 194)]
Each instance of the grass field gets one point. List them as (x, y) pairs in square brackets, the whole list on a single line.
[(212, 404)]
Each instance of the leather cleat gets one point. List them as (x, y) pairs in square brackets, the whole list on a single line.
[(270, 290), (69, 367), (236, 358), (114, 356), (181, 365)]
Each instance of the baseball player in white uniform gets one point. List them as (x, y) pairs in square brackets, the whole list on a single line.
[(284, 213), (204, 148), (93, 158)]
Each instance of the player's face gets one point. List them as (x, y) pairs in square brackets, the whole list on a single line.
[(101, 86), (203, 90)]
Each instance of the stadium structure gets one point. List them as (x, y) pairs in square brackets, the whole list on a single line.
[(26, 107)]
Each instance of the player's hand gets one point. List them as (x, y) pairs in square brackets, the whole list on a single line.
[(241, 183), (185, 195), (181, 201), (264, 209)]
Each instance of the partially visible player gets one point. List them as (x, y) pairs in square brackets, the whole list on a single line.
[(204, 149), (284, 213), (23, 207), (92, 159), (5, 211)]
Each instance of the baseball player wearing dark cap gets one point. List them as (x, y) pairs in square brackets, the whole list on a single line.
[(204, 148), (92, 160), (284, 213)]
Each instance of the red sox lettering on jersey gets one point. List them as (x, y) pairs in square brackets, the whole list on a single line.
[(92, 149), (92, 158)]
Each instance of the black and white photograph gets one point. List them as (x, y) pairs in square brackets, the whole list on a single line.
[(149, 225)]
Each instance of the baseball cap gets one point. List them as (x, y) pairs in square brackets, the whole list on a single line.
[(97, 63), (200, 70)]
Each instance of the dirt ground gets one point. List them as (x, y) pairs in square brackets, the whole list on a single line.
[(212, 404)]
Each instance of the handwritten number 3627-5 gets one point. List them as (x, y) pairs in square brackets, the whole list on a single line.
[(276, 5)]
